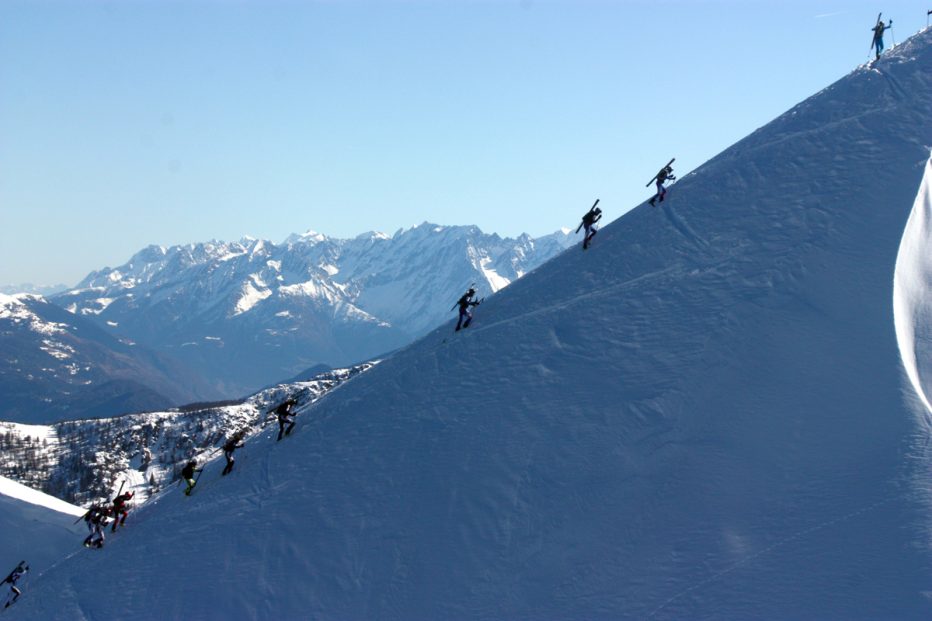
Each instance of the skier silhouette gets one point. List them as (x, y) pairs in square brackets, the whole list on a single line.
[(665, 173), (231, 445), (120, 509), (592, 216), (187, 473), (878, 31), (96, 519), (15, 575), (464, 303), (285, 417)]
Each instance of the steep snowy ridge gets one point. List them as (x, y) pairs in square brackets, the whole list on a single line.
[(705, 415), (309, 300)]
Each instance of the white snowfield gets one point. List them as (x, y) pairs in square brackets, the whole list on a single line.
[(36, 528), (703, 416)]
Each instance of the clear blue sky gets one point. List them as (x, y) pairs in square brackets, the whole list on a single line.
[(132, 122)]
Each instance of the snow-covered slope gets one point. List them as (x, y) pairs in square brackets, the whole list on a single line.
[(220, 306), (37, 528), (55, 365), (706, 415)]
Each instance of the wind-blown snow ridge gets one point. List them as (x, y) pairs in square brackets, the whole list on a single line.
[(912, 292), (12, 489)]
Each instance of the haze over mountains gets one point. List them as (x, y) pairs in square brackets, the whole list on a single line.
[(709, 414)]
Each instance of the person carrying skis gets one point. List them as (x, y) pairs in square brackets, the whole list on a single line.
[(15, 575), (878, 31), (89, 519), (285, 417), (464, 303), (588, 221), (120, 510), (231, 445), (665, 174), (187, 473), (97, 521)]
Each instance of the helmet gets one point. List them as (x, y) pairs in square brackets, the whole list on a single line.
[(598, 210), (471, 290)]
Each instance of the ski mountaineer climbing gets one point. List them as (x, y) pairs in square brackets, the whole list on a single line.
[(878, 30), (285, 417), (96, 522), (15, 575), (89, 521), (187, 473), (464, 303), (120, 510), (231, 445), (665, 174), (588, 221)]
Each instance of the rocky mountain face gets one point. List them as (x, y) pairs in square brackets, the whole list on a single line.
[(56, 365), (248, 313)]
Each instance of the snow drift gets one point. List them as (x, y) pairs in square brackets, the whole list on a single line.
[(36, 528), (913, 293), (703, 416)]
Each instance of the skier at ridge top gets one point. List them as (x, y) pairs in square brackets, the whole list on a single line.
[(878, 31)]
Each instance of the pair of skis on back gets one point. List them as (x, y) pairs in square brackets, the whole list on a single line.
[(14, 594), (879, 29), (666, 168), (589, 234)]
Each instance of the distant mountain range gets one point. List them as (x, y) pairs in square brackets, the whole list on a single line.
[(28, 287), (55, 365), (238, 316)]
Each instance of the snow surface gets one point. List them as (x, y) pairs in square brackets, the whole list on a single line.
[(14, 490), (703, 416), (912, 293), (37, 528)]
